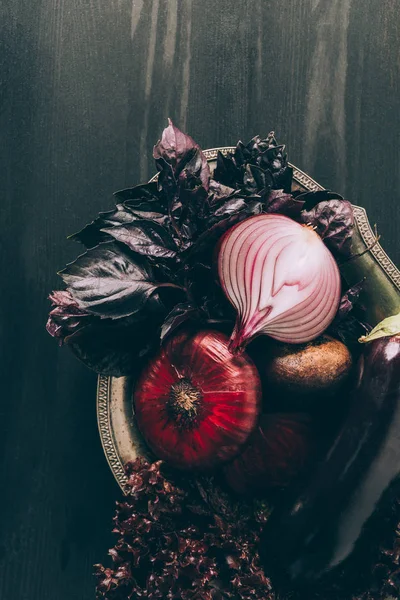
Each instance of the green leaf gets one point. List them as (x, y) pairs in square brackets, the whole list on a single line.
[(386, 328)]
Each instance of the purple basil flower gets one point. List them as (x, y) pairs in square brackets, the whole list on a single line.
[(65, 316)]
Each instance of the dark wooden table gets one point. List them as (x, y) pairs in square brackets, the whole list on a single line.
[(85, 90)]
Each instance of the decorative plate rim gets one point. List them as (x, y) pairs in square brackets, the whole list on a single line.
[(105, 383), (103, 405)]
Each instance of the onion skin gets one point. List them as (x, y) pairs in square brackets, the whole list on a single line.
[(276, 454), (281, 279), (218, 413), (314, 535)]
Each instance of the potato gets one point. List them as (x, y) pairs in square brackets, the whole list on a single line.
[(297, 376)]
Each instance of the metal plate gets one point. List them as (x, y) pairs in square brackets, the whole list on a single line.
[(119, 435)]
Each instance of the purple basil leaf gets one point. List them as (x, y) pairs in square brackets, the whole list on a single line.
[(230, 207), (285, 204), (206, 292), (176, 208), (311, 199), (256, 180), (242, 154), (167, 183), (145, 237), (267, 153), (258, 167), (226, 171), (271, 157), (65, 316), (206, 242), (192, 193), (110, 281), (186, 204), (147, 215), (189, 231), (349, 299), (257, 146), (249, 182), (219, 192), (334, 222), (142, 197), (284, 179), (349, 330), (140, 202), (194, 210), (186, 198), (185, 538), (349, 323), (178, 315), (189, 177), (115, 348), (196, 172), (92, 234), (176, 148)]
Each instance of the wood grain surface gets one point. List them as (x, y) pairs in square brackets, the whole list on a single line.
[(86, 87)]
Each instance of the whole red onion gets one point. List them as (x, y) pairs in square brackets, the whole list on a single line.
[(275, 455), (196, 403)]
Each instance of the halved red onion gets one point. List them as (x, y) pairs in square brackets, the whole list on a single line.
[(280, 277)]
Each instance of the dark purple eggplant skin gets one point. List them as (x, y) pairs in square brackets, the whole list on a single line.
[(316, 533)]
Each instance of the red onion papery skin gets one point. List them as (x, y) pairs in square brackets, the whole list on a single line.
[(280, 277), (196, 403), (275, 455)]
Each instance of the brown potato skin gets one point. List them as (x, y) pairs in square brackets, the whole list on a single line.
[(301, 376), (314, 367)]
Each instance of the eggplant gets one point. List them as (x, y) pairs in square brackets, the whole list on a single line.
[(316, 533)]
